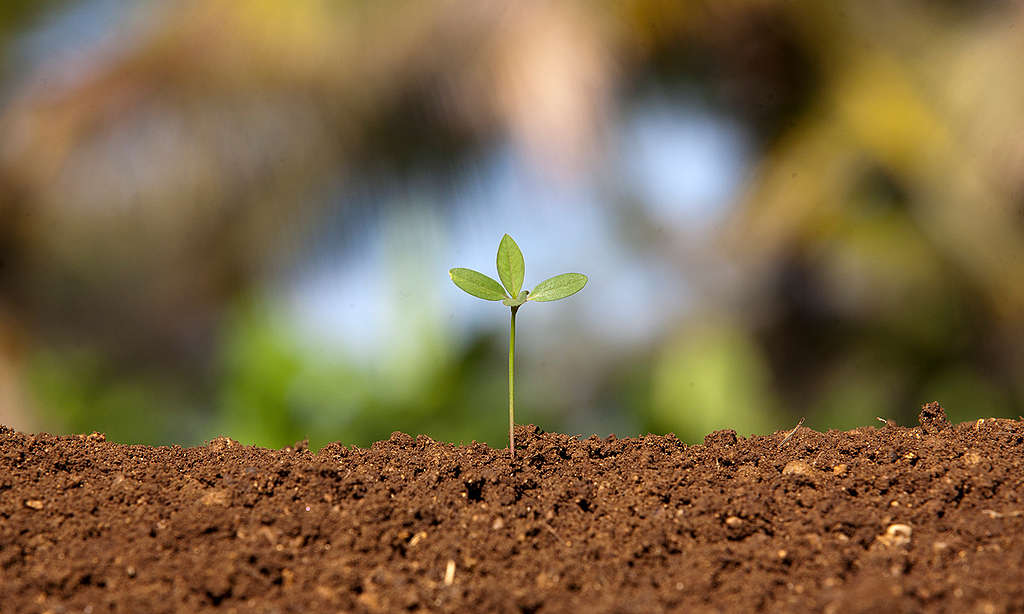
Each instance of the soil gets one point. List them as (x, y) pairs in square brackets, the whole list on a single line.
[(878, 519)]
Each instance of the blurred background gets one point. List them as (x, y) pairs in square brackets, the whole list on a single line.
[(237, 217)]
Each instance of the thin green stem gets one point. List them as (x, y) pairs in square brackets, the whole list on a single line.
[(511, 385)]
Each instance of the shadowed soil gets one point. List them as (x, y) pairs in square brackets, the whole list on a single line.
[(886, 519)]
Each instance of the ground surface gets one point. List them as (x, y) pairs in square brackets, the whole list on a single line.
[(885, 519)]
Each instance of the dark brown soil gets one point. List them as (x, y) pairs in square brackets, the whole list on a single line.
[(885, 519)]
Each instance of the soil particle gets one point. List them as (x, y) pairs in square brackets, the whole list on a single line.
[(933, 418), (890, 519), (723, 438)]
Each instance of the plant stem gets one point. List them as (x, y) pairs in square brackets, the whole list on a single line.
[(511, 385)]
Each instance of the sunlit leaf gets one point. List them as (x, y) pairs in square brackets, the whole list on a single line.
[(511, 267), (477, 284), (558, 287)]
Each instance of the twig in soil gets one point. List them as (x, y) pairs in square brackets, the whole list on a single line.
[(553, 532), (791, 433), (995, 514), (817, 458)]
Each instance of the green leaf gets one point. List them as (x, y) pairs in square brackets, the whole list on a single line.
[(558, 287), (477, 284), (511, 267)]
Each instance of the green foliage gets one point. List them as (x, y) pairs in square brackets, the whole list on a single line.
[(80, 390), (711, 378), (259, 365), (511, 270), (273, 389)]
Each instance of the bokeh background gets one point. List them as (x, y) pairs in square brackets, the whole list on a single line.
[(237, 217)]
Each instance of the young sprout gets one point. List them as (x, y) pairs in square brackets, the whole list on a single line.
[(511, 270)]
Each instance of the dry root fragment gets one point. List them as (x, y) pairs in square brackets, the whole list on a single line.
[(417, 538), (791, 433), (994, 514)]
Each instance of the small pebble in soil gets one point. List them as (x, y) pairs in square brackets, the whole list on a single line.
[(797, 467), (35, 504), (972, 458), (896, 535), (747, 473), (215, 497)]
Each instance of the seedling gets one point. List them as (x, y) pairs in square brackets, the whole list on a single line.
[(511, 270)]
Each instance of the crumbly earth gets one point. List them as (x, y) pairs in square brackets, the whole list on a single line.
[(886, 519)]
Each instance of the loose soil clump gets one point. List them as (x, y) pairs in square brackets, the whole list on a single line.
[(887, 519)]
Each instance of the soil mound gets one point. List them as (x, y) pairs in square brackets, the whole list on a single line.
[(888, 519)]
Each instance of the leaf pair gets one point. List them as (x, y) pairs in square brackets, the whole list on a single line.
[(511, 270)]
